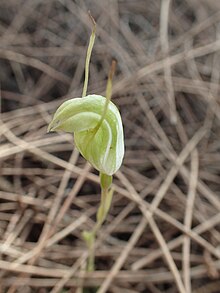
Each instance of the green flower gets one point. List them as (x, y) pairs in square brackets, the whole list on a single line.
[(98, 131)]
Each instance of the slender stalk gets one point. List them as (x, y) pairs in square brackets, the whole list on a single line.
[(88, 55), (106, 199)]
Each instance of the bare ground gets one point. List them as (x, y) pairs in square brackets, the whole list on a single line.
[(163, 230)]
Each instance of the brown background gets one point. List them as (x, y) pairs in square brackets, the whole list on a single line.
[(162, 233)]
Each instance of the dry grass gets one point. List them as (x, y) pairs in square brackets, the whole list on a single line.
[(163, 231)]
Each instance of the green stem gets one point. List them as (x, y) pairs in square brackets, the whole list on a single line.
[(89, 237), (88, 56), (91, 259)]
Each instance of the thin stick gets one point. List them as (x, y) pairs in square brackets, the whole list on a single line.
[(167, 255), (88, 55), (188, 219), (164, 19)]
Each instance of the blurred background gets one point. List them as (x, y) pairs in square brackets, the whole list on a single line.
[(163, 231)]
